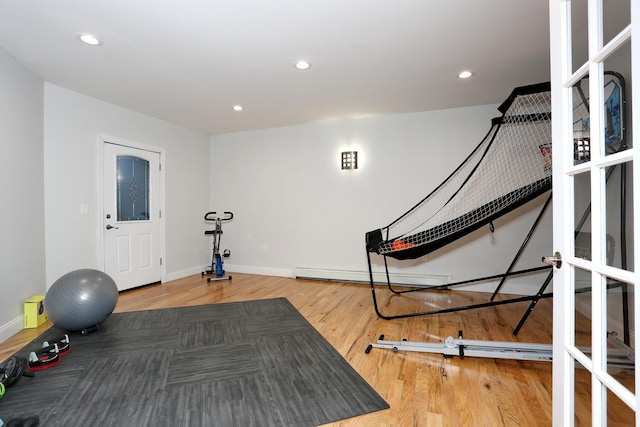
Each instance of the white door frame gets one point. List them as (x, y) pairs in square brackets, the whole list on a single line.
[(104, 139), (565, 353)]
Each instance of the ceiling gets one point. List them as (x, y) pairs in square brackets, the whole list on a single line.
[(189, 61)]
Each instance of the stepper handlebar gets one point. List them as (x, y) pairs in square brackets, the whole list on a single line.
[(213, 216)]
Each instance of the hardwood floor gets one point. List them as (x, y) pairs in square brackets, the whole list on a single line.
[(422, 389)]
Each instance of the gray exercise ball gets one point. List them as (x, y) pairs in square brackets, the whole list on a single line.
[(81, 299)]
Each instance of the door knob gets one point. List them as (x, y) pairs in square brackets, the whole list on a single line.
[(555, 260), (109, 227)]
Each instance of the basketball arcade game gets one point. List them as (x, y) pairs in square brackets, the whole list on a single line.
[(510, 167)]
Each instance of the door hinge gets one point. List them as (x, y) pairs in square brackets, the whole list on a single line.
[(160, 167), (160, 261), (159, 214)]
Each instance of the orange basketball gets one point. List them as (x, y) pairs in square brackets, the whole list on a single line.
[(400, 244)]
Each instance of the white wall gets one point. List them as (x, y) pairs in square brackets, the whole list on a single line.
[(294, 207), (72, 124), (22, 249)]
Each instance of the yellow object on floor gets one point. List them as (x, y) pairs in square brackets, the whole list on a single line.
[(34, 314)]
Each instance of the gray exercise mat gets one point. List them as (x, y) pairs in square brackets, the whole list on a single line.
[(255, 363)]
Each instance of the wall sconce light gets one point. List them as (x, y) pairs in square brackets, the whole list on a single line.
[(349, 160)]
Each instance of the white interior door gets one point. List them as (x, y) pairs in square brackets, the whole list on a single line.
[(596, 195), (131, 222)]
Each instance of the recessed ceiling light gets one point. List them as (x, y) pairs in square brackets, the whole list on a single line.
[(238, 108), (465, 75), (89, 39), (302, 65)]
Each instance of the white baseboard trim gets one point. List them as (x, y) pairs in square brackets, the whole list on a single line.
[(354, 276), (231, 268), (363, 276), (11, 328), (510, 288), (416, 280), (175, 275), (264, 271)]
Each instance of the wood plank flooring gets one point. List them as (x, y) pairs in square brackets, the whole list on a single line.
[(422, 389)]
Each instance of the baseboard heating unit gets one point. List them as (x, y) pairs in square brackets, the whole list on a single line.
[(416, 280)]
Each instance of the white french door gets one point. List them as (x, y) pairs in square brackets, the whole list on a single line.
[(596, 193), (131, 220)]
